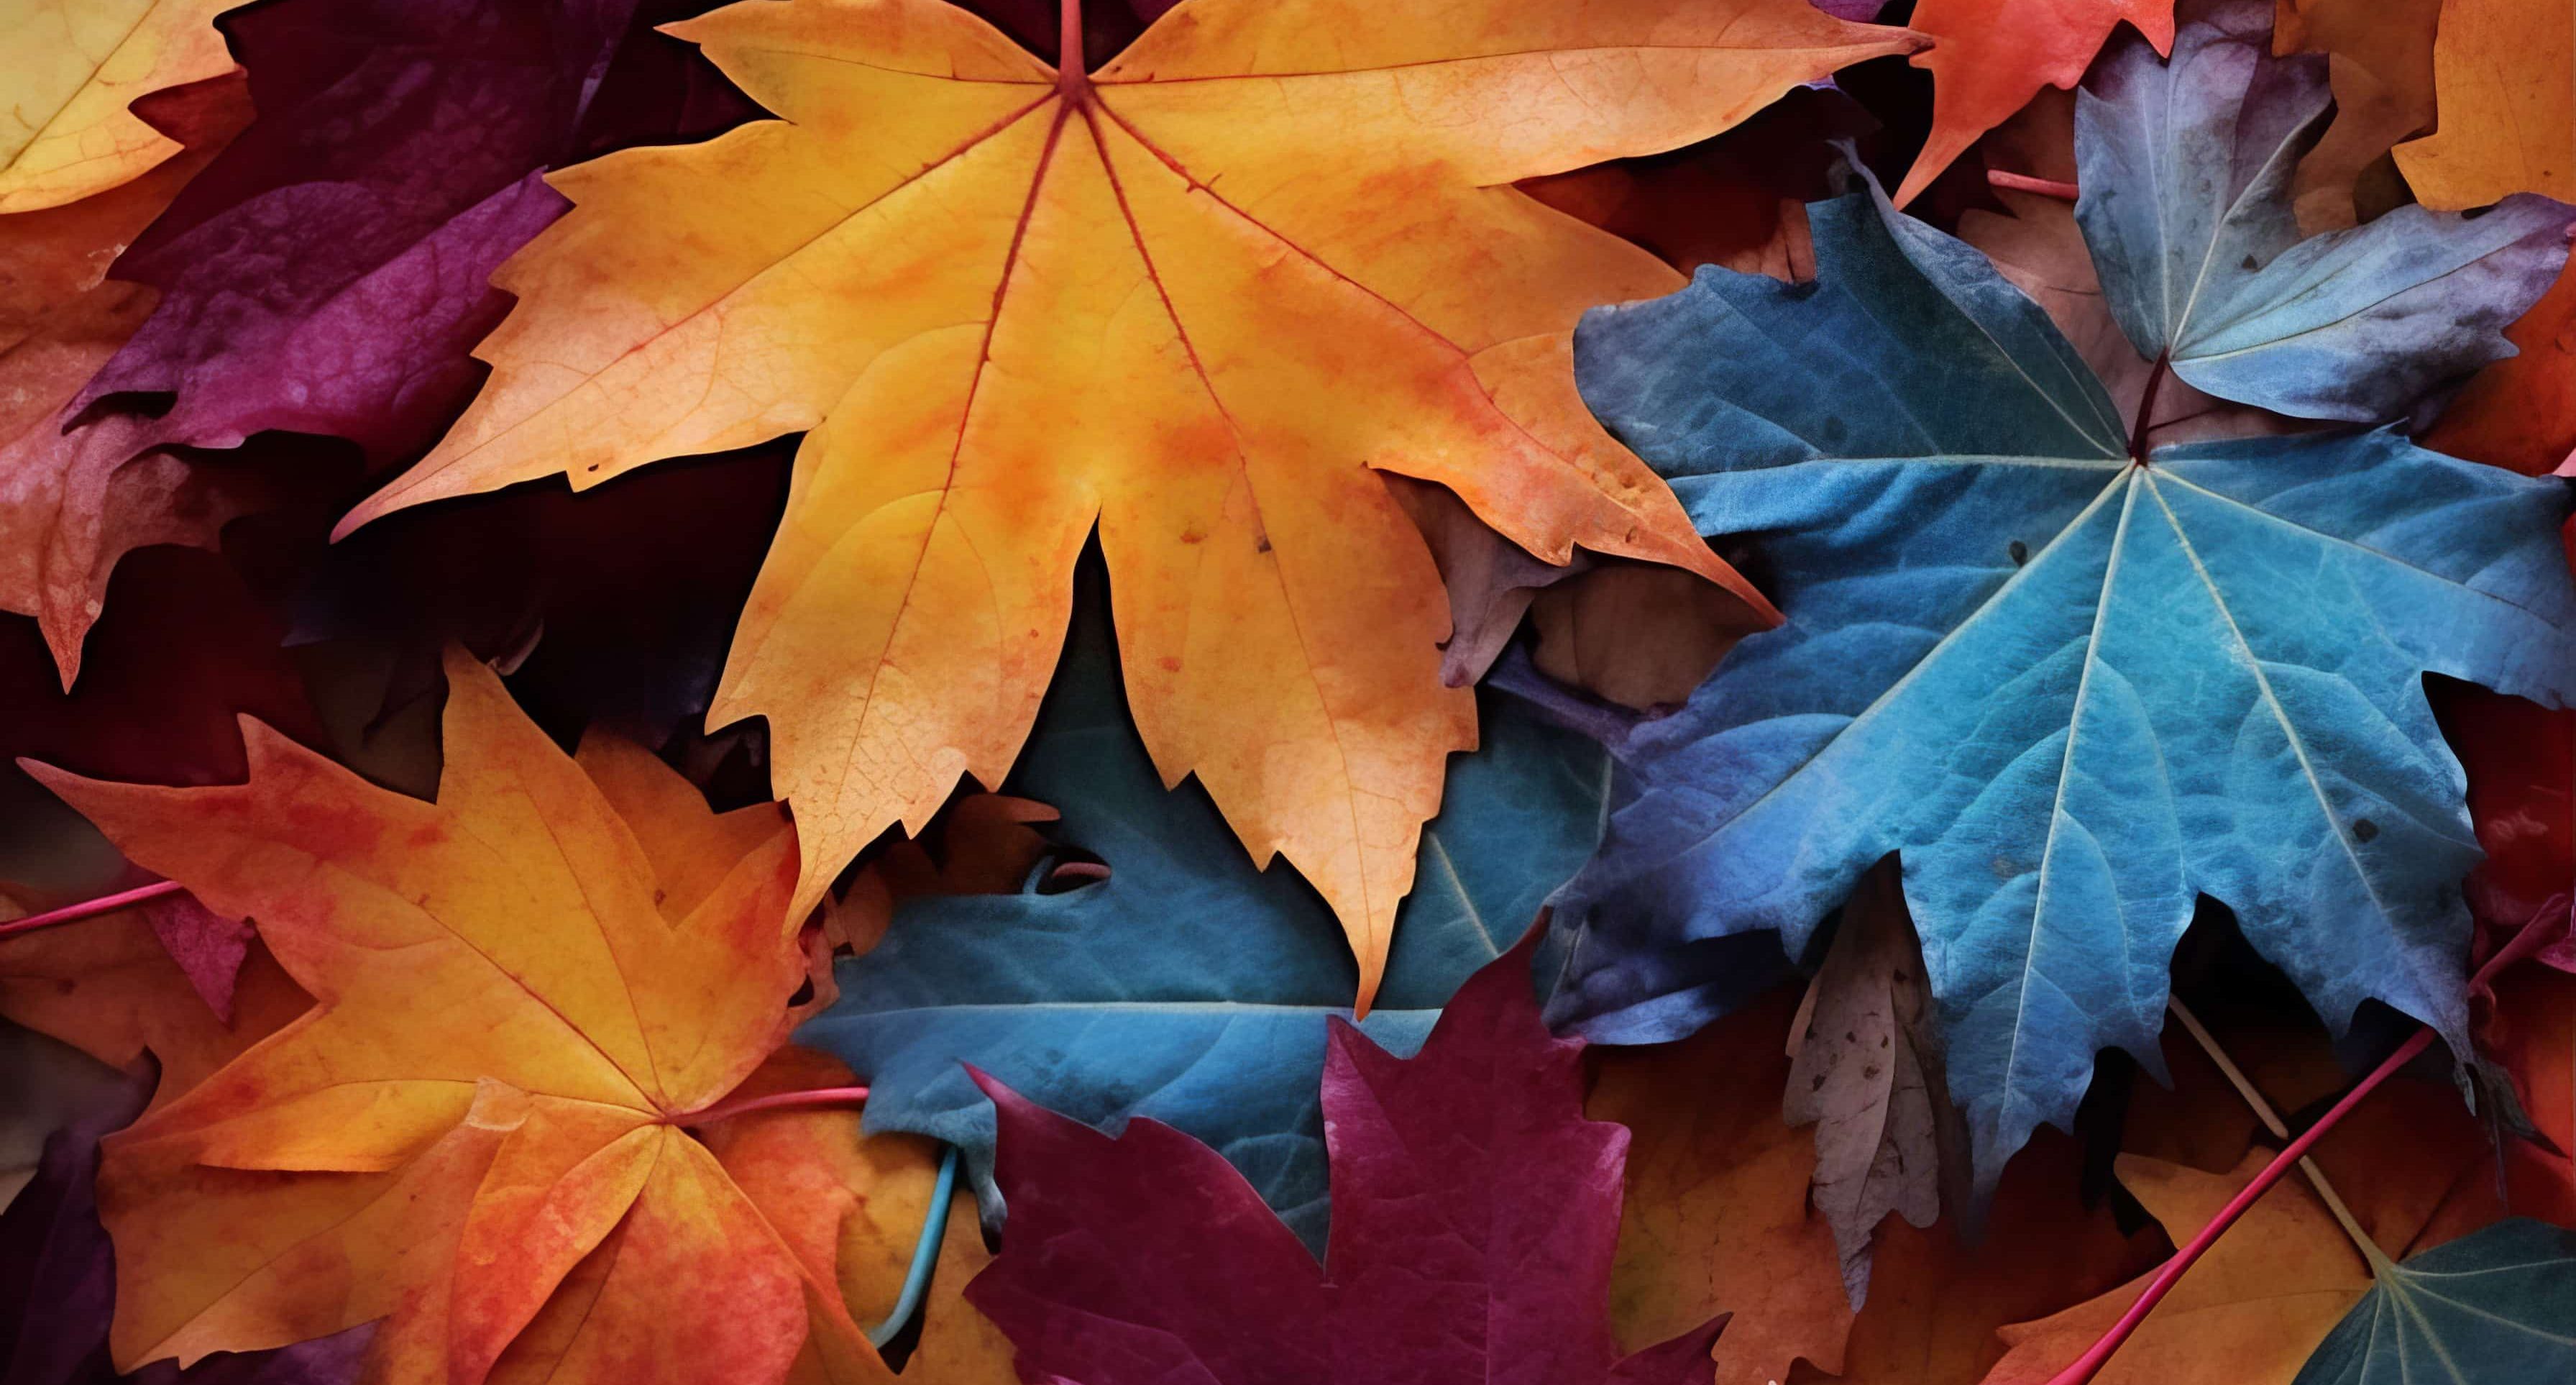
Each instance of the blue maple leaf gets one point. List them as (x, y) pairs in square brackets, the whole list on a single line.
[(2074, 688)]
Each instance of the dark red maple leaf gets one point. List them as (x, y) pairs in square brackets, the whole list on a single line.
[(1474, 1215)]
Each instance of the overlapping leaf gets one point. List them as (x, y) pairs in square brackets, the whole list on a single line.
[(2380, 64), (2487, 1309), (2187, 168), (1474, 1213), (396, 163), (325, 272), (58, 1276), (73, 70), (524, 989), (1715, 1218), (1867, 1074), (2414, 1182), (71, 507), (2502, 71), (1010, 303), (1990, 57), (1188, 986), (2075, 689)]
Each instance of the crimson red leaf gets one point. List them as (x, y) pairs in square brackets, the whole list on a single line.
[(1474, 1212)]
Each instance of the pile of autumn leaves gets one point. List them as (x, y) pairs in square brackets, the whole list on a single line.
[(1197, 434)]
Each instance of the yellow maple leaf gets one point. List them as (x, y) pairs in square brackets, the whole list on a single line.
[(1195, 297), (70, 69)]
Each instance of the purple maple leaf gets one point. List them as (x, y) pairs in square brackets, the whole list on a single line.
[(328, 272)]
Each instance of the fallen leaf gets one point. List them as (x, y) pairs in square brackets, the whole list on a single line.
[(70, 507), (2380, 65), (395, 165), (848, 1208), (1490, 579), (2040, 249), (1715, 1216), (2251, 1311), (525, 990), (1967, 542), (1937, 1295), (1990, 57), (109, 987), (2488, 1310), (73, 69), (1642, 637), (2508, 111), (1162, 289), (1738, 199), (2520, 412), (2418, 1175), (58, 1275), (1475, 1209), (1187, 986), (2208, 270), (2532, 1032), (2414, 1168), (208, 947), (1865, 1070), (2521, 763)]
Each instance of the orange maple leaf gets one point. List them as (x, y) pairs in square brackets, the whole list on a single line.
[(2504, 78), (1990, 57), (1194, 298), (525, 991)]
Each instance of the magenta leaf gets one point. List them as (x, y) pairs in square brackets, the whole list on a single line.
[(1474, 1215), (208, 947)]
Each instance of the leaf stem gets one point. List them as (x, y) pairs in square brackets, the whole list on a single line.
[(1072, 79), (2091, 1362), (90, 909), (925, 1253), (2023, 182), (2145, 421), (2379, 1262), (774, 1101), (2523, 943)]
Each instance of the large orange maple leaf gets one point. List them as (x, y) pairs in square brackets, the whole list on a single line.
[(525, 992), (1195, 297)]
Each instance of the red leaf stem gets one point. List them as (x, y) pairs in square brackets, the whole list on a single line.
[(2023, 182), (89, 909), (2086, 1366)]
